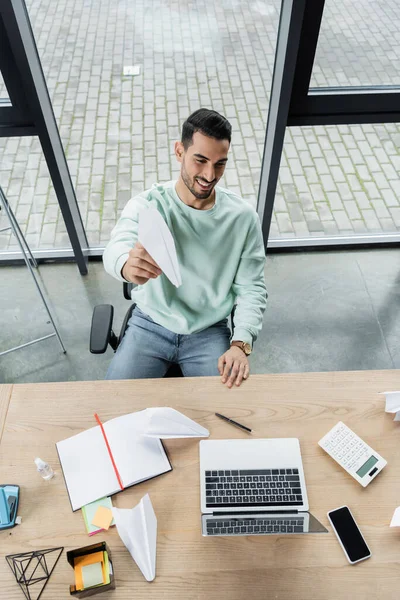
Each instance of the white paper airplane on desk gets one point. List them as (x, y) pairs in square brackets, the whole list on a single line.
[(137, 528), (157, 239), (393, 404), (165, 423), (395, 522)]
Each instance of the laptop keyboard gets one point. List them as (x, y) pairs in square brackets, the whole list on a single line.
[(229, 526), (256, 487)]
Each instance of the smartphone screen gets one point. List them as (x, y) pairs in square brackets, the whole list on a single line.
[(349, 534)]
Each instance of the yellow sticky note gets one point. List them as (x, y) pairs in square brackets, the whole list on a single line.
[(86, 559), (102, 518)]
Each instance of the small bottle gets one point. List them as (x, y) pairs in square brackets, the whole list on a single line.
[(44, 469)]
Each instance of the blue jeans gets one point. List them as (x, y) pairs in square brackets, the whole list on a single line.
[(148, 349)]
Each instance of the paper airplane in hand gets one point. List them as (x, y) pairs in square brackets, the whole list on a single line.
[(393, 404), (137, 528), (157, 239), (165, 423)]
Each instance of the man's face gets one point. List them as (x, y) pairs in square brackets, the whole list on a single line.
[(203, 164)]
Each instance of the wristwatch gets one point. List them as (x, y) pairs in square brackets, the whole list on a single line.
[(243, 346)]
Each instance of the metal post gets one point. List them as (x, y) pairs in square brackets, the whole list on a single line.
[(16, 231), (21, 235), (290, 24)]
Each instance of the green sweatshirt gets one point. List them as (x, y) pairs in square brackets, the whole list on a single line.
[(221, 257)]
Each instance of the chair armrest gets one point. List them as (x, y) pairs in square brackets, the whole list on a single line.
[(124, 325), (127, 290), (101, 333)]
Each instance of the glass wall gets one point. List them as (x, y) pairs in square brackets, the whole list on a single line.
[(343, 181), (118, 130), (3, 89), (358, 45), (338, 181)]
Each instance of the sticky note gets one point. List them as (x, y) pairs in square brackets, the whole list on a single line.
[(102, 517), (82, 561), (88, 559), (89, 511), (107, 568), (92, 575)]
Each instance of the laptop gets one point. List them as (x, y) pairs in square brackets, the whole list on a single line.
[(254, 487)]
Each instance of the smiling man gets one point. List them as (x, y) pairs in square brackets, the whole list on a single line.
[(221, 255)]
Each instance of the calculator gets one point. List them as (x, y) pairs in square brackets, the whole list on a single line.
[(352, 453)]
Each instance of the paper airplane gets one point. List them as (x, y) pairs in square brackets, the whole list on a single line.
[(395, 522), (157, 239), (393, 404), (166, 423), (137, 528)]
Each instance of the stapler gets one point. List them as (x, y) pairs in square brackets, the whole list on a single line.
[(9, 498)]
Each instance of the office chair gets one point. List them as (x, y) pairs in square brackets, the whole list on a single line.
[(102, 334)]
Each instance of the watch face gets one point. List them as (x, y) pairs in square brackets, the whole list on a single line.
[(247, 348)]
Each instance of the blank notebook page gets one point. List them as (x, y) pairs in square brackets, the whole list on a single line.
[(87, 467), (136, 457)]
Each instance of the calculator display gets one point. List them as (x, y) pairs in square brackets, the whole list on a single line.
[(367, 466)]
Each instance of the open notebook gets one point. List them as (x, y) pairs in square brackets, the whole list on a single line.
[(135, 446), (87, 467)]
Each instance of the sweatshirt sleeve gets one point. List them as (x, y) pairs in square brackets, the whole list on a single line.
[(249, 287), (123, 237)]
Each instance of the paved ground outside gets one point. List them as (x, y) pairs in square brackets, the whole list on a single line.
[(118, 131)]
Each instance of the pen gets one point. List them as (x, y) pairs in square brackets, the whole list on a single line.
[(233, 422)]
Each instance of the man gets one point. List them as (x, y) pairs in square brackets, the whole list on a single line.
[(221, 256)]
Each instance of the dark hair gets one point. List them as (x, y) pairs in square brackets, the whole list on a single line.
[(208, 122)]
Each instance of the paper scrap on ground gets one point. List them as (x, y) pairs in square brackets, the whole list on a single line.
[(102, 518), (92, 575), (393, 403), (165, 423), (395, 522), (137, 528), (131, 70), (157, 239)]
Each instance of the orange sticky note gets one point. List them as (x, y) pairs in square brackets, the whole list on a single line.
[(102, 517)]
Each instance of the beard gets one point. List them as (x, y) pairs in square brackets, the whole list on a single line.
[(190, 184)]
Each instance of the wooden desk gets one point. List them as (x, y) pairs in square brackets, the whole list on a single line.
[(5, 395), (190, 566)]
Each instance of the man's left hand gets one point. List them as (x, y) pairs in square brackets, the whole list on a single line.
[(233, 366)]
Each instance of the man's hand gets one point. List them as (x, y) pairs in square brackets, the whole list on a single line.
[(233, 366), (140, 267)]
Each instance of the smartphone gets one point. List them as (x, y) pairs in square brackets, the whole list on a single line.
[(348, 534)]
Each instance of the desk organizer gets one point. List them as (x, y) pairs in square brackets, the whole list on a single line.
[(92, 591)]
